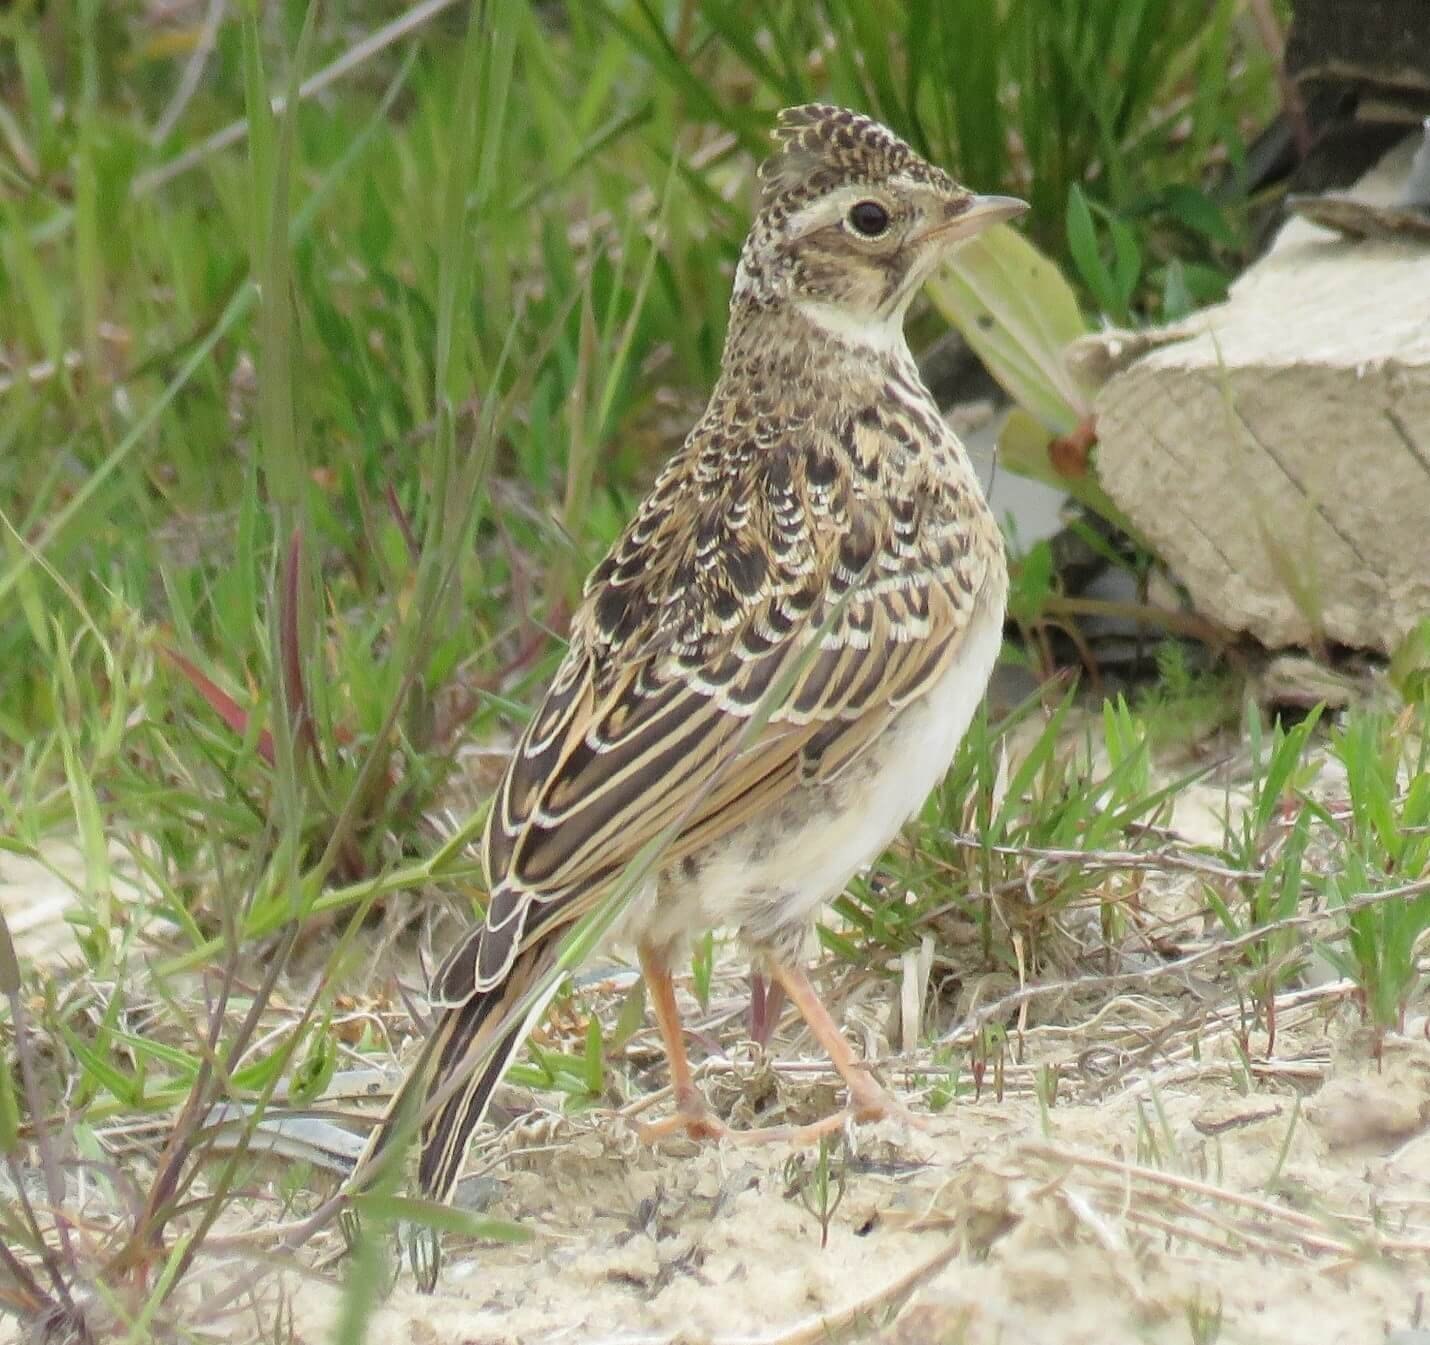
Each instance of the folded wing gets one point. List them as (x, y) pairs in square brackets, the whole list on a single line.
[(709, 600)]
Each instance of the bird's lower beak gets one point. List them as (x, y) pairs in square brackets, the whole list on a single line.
[(972, 214)]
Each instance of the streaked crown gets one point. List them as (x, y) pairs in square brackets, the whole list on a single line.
[(819, 148), (851, 221)]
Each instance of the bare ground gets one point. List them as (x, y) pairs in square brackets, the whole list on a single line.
[(1192, 1192), (1134, 1166)]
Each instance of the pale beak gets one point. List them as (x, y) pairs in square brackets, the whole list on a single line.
[(971, 215)]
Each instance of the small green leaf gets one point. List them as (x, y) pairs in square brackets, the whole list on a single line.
[(186, 1065), (595, 1057), (9, 963), (1410, 663), (430, 1214), (838, 944), (314, 1073), (1176, 298), (9, 1111), (257, 1076), (1223, 912), (631, 1018), (702, 967), (1032, 583), (1198, 212), (1126, 262), (128, 1091), (1082, 243)]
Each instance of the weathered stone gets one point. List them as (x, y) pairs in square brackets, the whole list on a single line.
[(1275, 449)]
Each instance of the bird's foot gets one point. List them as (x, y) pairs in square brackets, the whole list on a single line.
[(691, 1118), (868, 1103)]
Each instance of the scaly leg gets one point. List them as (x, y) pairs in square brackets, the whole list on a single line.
[(766, 1001), (692, 1115), (868, 1101)]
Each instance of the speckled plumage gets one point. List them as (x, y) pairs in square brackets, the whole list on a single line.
[(820, 499)]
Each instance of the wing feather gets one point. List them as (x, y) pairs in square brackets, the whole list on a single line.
[(707, 601)]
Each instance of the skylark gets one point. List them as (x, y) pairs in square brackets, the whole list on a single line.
[(820, 525)]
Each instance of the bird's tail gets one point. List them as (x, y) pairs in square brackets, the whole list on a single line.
[(475, 1042), (460, 1066)]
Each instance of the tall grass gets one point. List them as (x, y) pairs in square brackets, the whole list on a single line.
[(129, 398), (304, 451), (299, 782)]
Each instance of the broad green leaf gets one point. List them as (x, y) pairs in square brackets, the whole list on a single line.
[(1015, 309)]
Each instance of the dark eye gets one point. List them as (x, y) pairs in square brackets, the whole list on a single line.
[(868, 218)]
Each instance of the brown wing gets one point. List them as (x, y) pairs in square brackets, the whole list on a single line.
[(719, 586)]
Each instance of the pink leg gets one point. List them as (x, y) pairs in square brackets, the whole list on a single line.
[(691, 1115)]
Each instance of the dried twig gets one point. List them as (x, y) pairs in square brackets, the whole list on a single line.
[(1309, 1231), (1001, 1008), (193, 73), (236, 132), (1159, 860)]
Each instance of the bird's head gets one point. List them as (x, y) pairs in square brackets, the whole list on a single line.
[(852, 221)]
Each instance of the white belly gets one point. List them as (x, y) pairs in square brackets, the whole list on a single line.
[(770, 877)]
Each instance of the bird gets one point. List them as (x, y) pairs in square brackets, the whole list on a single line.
[(819, 544)]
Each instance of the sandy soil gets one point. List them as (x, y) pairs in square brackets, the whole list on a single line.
[(1153, 1211), (1172, 1186), (1176, 1189)]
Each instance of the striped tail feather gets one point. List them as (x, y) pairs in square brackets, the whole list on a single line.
[(459, 1068), (475, 1041)]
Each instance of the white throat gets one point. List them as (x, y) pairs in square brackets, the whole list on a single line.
[(882, 336)]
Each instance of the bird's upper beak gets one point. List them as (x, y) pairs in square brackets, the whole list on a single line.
[(969, 215)]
